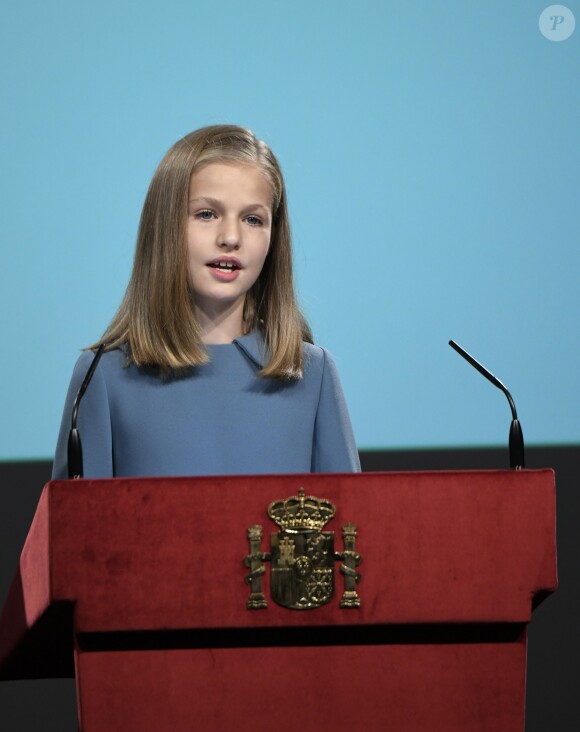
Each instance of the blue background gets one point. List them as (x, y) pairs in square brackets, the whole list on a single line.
[(432, 157)]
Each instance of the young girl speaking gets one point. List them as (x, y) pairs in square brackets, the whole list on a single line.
[(209, 367)]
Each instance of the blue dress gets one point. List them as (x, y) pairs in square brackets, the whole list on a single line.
[(221, 419)]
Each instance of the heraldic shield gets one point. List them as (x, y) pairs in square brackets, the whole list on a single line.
[(302, 556), (302, 565)]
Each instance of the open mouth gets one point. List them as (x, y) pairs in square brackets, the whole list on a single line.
[(224, 266)]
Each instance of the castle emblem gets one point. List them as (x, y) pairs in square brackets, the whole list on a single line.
[(302, 556)]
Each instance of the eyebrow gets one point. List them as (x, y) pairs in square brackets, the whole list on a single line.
[(215, 202)]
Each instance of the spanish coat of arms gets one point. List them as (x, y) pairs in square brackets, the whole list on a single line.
[(302, 556)]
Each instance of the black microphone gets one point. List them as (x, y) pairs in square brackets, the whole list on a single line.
[(516, 439), (75, 449)]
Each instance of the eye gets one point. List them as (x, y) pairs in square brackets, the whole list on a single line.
[(205, 215), (254, 220)]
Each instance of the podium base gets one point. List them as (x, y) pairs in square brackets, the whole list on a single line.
[(448, 687)]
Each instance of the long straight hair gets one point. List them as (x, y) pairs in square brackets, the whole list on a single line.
[(156, 320)]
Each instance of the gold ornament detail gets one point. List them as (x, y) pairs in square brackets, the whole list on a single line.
[(301, 513), (302, 556)]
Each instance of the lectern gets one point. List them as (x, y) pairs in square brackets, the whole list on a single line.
[(138, 587)]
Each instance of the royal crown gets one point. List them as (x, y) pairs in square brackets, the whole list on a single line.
[(300, 513)]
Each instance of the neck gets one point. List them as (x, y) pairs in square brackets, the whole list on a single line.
[(221, 325)]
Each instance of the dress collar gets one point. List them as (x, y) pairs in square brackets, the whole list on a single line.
[(254, 346)]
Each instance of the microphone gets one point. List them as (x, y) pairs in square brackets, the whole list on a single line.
[(75, 449), (516, 437)]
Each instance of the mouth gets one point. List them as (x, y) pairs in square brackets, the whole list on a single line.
[(226, 265), (225, 269)]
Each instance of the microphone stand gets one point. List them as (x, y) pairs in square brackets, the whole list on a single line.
[(75, 448), (516, 436)]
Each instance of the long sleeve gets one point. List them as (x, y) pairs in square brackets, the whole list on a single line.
[(94, 424), (334, 449)]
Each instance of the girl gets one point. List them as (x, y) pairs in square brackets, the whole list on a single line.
[(209, 365)]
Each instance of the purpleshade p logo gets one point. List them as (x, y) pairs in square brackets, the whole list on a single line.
[(557, 23)]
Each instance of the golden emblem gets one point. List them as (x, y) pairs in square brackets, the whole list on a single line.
[(302, 556)]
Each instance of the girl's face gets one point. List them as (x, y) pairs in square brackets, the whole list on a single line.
[(228, 234)]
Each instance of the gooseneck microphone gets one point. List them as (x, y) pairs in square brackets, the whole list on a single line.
[(516, 438), (75, 448)]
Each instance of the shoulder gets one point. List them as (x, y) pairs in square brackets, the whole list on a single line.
[(110, 363), (317, 358), (320, 368), (116, 358)]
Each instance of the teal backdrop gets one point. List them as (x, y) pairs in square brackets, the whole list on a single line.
[(432, 157)]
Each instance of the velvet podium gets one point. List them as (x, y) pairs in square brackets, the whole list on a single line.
[(139, 587)]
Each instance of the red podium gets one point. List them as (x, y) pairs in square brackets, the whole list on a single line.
[(141, 582)]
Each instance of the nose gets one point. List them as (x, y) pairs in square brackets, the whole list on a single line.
[(229, 235)]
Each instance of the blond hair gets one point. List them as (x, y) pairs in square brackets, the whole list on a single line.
[(156, 319)]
